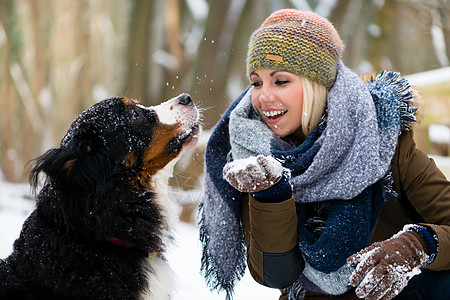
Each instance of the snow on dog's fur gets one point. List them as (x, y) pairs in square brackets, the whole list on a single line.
[(103, 218)]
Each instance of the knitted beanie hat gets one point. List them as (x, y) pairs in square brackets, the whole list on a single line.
[(300, 42)]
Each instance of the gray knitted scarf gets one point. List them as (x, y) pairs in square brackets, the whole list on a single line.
[(351, 154)]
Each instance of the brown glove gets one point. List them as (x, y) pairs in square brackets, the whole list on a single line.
[(253, 174), (384, 268)]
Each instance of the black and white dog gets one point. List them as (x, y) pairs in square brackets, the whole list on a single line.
[(103, 217)]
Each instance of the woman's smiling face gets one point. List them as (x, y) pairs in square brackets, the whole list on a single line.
[(278, 97)]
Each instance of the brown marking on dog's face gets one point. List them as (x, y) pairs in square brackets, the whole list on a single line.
[(129, 160), (157, 156), (129, 102), (172, 128)]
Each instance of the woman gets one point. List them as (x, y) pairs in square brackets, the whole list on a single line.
[(310, 166)]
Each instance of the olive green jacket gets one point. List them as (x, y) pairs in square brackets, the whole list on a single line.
[(424, 198)]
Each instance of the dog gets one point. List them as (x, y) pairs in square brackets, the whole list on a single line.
[(103, 218)]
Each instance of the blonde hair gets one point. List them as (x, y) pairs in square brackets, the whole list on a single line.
[(314, 102)]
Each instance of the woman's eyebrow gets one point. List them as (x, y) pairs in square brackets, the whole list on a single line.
[(271, 73), (275, 72)]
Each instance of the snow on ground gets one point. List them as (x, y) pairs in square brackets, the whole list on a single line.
[(184, 257), (15, 206), (185, 260)]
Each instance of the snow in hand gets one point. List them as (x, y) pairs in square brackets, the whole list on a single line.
[(254, 173)]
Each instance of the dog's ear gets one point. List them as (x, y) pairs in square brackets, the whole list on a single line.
[(81, 162)]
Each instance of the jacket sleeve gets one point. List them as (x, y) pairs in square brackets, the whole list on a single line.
[(427, 191), (270, 231)]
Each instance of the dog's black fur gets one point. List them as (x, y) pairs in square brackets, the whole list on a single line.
[(95, 220)]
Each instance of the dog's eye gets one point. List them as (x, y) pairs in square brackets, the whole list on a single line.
[(136, 116)]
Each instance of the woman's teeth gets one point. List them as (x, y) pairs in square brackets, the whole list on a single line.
[(273, 114)]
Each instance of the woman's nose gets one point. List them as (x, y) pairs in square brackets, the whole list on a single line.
[(266, 95)]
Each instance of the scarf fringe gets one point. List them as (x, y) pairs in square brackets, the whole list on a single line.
[(405, 97), (296, 291), (209, 268)]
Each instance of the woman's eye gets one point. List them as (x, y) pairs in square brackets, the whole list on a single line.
[(257, 84), (281, 82)]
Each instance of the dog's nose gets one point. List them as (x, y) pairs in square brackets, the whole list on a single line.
[(185, 99)]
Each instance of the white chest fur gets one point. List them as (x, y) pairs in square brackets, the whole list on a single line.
[(160, 279), (160, 275)]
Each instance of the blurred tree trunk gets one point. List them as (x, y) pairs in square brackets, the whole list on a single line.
[(40, 71), (82, 54), (210, 69), (384, 20), (138, 48), (236, 68), (445, 16), (234, 65), (7, 103), (173, 17)]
